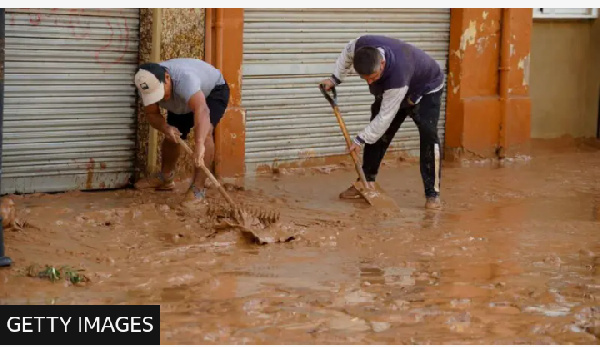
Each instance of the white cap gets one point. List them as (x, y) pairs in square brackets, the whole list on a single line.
[(150, 88)]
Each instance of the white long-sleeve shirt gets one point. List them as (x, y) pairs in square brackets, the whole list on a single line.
[(393, 90)]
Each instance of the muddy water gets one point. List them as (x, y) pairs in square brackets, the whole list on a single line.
[(513, 257)]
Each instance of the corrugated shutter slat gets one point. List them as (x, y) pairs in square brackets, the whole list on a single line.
[(69, 112), (288, 51)]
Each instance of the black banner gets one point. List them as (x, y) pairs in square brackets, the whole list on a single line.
[(80, 325)]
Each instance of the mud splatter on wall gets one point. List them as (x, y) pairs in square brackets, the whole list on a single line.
[(182, 36)]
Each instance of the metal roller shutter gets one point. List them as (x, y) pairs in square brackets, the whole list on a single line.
[(69, 117), (288, 51)]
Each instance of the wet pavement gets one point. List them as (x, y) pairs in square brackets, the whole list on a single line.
[(513, 257)]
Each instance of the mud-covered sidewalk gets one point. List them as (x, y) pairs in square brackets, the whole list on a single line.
[(513, 257)]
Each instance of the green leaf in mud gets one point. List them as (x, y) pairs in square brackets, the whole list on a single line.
[(74, 276), (54, 274), (51, 273)]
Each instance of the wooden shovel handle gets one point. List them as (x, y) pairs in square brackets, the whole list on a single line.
[(219, 186), (353, 154), (338, 116)]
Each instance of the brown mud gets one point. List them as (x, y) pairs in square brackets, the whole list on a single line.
[(512, 258)]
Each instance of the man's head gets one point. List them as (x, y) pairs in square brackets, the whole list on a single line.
[(153, 83), (368, 63)]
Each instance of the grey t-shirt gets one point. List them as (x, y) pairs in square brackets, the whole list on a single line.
[(188, 77)]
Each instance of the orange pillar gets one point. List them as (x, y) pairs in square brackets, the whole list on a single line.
[(515, 130), (225, 29), (475, 123)]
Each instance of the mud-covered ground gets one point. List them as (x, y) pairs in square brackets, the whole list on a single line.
[(513, 257)]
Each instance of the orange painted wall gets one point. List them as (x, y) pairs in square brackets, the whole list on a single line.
[(226, 53), (475, 125), (517, 123)]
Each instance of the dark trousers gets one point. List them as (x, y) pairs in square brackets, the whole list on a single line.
[(425, 115)]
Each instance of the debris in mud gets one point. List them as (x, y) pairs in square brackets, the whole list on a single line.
[(8, 211), (345, 322), (272, 234), (380, 326), (292, 171), (553, 260), (257, 233), (256, 226), (549, 311), (355, 297), (244, 214), (588, 320), (459, 323), (398, 276), (55, 274), (9, 216)]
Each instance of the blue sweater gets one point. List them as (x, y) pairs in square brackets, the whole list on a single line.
[(409, 73), (405, 65)]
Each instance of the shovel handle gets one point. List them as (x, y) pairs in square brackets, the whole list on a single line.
[(208, 174), (185, 146), (333, 101), (332, 98), (217, 184), (357, 166)]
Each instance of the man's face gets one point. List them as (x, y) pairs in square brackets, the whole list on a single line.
[(168, 86), (375, 75)]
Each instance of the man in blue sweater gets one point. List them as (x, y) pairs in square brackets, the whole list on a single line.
[(405, 82)]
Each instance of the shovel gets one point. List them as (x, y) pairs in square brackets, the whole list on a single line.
[(266, 217), (375, 196)]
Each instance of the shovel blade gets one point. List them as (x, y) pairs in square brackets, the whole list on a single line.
[(375, 196)]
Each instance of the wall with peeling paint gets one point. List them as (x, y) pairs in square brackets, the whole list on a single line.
[(480, 39), (565, 78), (182, 36), (476, 124)]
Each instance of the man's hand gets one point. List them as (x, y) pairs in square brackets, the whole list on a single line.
[(172, 134), (354, 148), (328, 83), (199, 155), (356, 145)]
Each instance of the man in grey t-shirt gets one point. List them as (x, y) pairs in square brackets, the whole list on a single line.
[(195, 95)]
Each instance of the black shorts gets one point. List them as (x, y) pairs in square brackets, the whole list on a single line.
[(216, 101)]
